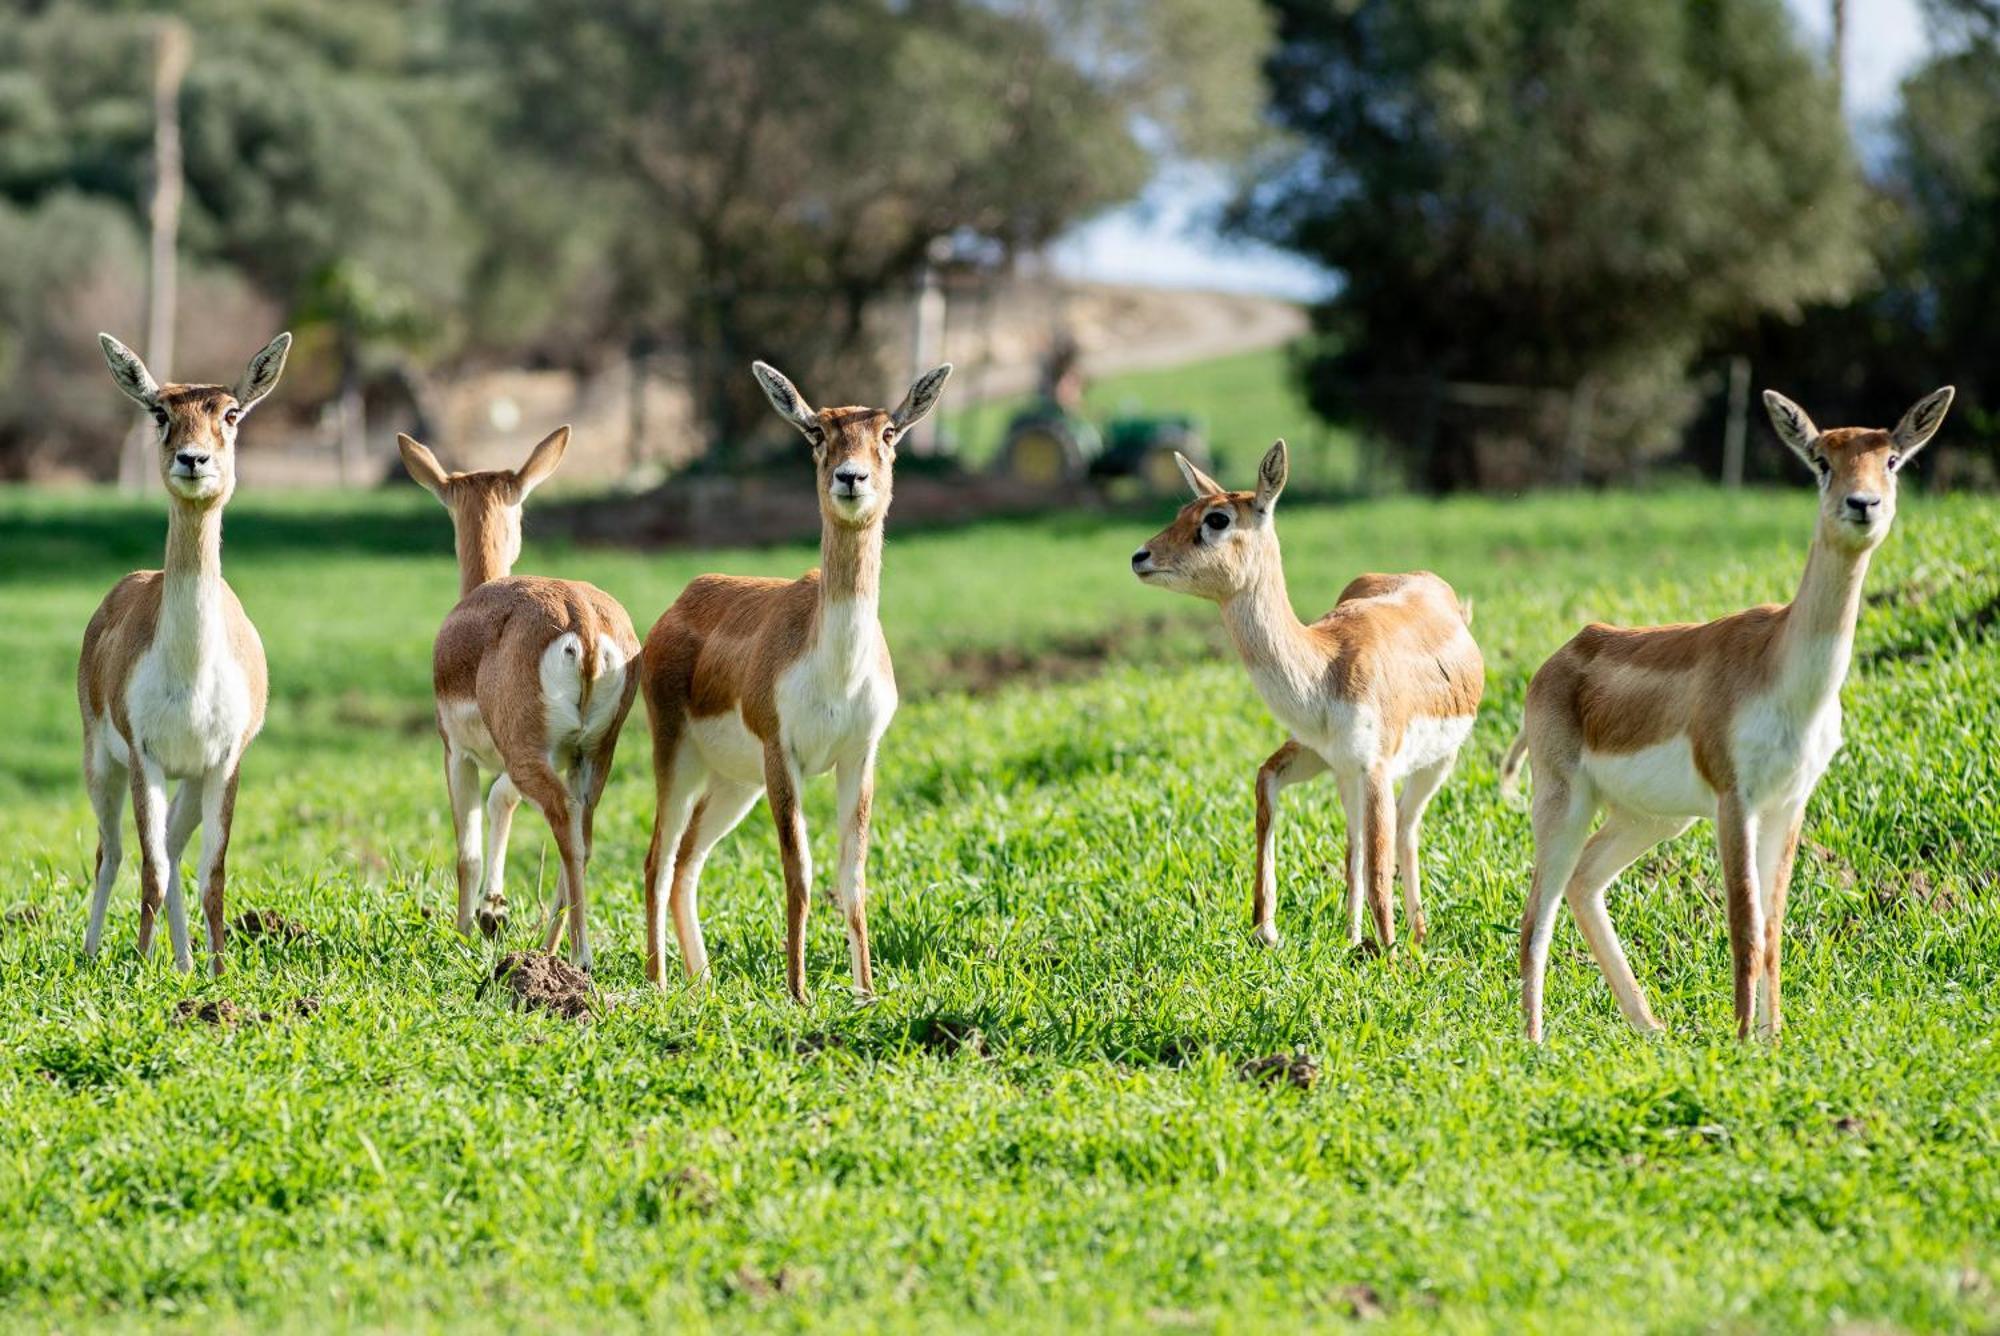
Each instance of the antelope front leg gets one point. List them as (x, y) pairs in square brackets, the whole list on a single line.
[(781, 787), (157, 880), (218, 814), (1736, 833), (1288, 765), (1777, 848), (856, 782)]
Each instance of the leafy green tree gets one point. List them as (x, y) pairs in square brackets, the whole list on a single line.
[(1567, 194), (767, 172)]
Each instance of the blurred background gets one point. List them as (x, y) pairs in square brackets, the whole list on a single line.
[(1440, 244)]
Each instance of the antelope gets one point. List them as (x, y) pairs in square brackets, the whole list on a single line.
[(171, 682), (753, 685), (1734, 720), (534, 678), (1381, 689)]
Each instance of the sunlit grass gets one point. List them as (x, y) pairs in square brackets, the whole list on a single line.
[(1041, 1121)]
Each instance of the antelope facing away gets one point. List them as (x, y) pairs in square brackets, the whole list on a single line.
[(753, 685), (1381, 689), (534, 678), (171, 681), (1734, 720)]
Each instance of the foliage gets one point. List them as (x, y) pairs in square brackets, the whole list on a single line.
[(1548, 196), (1933, 222), (1041, 1123), (783, 167)]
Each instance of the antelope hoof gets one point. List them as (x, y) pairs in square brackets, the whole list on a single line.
[(1266, 935), (1367, 948), (492, 920), (1418, 931)]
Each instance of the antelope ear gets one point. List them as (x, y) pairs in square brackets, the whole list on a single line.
[(1794, 428), (130, 373), (542, 460), (1271, 475), (922, 398), (785, 397), (261, 376), (422, 465), (1198, 482), (1921, 422)]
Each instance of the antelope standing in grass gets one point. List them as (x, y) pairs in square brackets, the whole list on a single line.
[(534, 678), (1734, 720), (1381, 689), (753, 685), (171, 682)]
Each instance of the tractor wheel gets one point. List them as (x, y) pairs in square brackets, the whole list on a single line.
[(1042, 453), (1156, 467)]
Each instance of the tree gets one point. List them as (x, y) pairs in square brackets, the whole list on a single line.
[(1566, 195), (770, 171), (1933, 225)]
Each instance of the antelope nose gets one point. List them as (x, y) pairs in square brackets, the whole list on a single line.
[(1863, 504), (1140, 558), (849, 475), (188, 459)]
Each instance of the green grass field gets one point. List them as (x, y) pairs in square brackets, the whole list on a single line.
[(1041, 1121)]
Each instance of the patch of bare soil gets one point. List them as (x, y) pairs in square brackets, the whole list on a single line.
[(1160, 640), (1360, 1302), (685, 1189), (948, 1034), (227, 1015), (764, 1286), (1297, 1069), (548, 983), (218, 1011), (270, 926)]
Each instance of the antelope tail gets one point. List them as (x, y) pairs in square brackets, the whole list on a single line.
[(1510, 769)]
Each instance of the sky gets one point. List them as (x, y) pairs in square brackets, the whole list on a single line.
[(1166, 238)]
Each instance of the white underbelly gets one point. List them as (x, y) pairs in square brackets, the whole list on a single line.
[(727, 747), (1426, 742), (1779, 758), (1660, 780), (825, 715), (187, 725), (465, 732)]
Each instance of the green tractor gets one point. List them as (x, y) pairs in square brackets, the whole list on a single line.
[(1045, 446)]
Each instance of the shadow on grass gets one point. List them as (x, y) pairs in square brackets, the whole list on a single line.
[(130, 533)]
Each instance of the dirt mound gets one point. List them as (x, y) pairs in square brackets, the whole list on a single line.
[(227, 1015), (270, 925), (948, 1035), (535, 981), (1297, 1070)]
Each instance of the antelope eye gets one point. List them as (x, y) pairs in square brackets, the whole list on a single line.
[(1216, 519), (1895, 462), (231, 416), (888, 435)]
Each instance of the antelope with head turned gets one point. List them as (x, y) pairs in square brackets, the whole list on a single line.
[(753, 685), (1381, 689), (534, 678), (171, 682), (1734, 720)]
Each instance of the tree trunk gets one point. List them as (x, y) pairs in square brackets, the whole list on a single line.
[(172, 51)]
